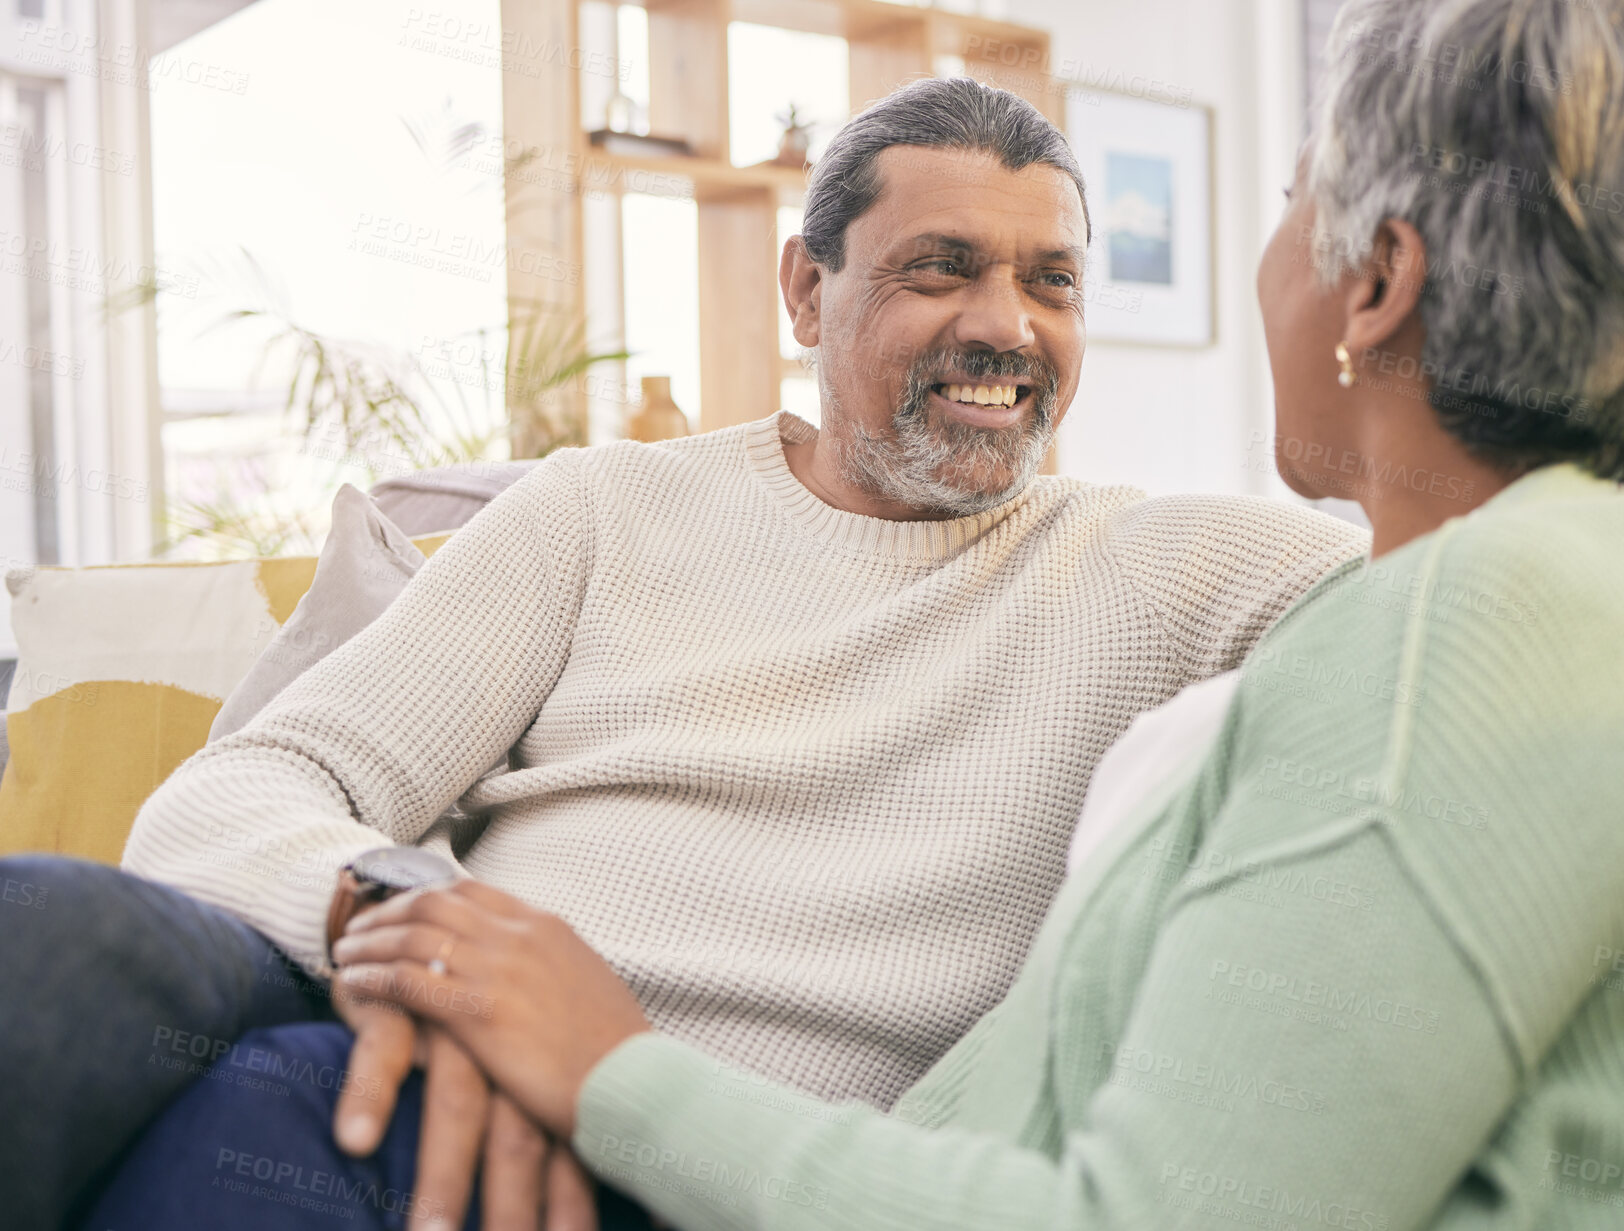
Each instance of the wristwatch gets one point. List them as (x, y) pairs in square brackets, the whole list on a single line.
[(376, 875)]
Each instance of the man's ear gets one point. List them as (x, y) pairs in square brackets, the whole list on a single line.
[(1386, 293), (801, 281)]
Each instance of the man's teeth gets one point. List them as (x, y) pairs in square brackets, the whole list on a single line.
[(985, 395)]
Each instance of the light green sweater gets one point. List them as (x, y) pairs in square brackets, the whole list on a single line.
[(1354, 967)]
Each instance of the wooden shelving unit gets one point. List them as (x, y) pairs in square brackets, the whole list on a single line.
[(704, 179), (740, 363)]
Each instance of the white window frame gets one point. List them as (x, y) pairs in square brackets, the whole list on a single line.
[(99, 227)]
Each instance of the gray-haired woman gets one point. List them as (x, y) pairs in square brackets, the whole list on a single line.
[(1339, 942)]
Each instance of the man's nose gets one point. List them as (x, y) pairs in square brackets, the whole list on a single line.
[(993, 313)]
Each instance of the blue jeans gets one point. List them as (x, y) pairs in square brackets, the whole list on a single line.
[(249, 1146), (114, 992), (116, 996)]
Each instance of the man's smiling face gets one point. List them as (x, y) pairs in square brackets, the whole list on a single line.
[(950, 340)]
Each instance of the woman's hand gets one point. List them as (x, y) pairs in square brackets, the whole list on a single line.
[(515, 986)]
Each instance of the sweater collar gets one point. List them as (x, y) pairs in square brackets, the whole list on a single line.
[(1556, 480), (911, 540)]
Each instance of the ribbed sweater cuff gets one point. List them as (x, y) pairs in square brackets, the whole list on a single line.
[(630, 1095), (649, 1123)]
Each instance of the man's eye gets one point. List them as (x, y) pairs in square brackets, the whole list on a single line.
[(942, 265), (1064, 279)]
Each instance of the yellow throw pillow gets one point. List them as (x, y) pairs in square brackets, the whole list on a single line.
[(120, 671)]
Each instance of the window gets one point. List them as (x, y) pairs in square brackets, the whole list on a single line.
[(32, 435), (71, 492), (346, 189)]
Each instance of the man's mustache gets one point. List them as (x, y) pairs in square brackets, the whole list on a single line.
[(1036, 371)]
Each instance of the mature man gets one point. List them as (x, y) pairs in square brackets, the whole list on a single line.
[(798, 721)]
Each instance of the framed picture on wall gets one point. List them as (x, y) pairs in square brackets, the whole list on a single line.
[(1148, 167)]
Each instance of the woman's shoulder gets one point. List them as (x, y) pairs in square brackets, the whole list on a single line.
[(1561, 506), (1462, 695), (1521, 717), (1543, 558), (1542, 563), (1496, 641)]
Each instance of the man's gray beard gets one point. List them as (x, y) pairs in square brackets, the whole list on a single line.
[(926, 466)]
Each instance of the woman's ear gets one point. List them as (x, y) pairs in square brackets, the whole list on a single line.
[(1385, 293), (801, 281)]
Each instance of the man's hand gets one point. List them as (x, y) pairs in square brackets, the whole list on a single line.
[(524, 1173)]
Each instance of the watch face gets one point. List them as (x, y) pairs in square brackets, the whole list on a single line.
[(403, 867)]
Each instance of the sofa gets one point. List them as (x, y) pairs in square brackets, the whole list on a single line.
[(123, 671)]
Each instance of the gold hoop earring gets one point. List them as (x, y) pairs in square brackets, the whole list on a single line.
[(1347, 378)]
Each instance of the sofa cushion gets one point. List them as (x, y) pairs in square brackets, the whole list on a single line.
[(121, 671), (446, 497), (365, 562)]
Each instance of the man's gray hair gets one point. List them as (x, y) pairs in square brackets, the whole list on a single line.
[(1496, 129), (946, 112)]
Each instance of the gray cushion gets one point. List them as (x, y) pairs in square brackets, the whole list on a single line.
[(446, 497), (364, 565), (365, 562)]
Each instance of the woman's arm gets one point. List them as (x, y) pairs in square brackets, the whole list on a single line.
[(1286, 1060), (1353, 1107)]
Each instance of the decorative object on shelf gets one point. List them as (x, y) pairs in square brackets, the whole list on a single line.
[(638, 145), (797, 138), (659, 418), (624, 115), (1148, 166)]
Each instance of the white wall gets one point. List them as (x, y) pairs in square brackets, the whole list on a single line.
[(1180, 419)]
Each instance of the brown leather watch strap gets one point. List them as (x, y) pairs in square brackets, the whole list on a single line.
[(375, 875), (348, 900)]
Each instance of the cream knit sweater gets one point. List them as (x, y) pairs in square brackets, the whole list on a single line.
[(805, 778)]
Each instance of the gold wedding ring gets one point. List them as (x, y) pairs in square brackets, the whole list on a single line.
[(438, 965)]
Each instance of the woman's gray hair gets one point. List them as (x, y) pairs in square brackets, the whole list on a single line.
[(947, 112), (1496, 129)]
